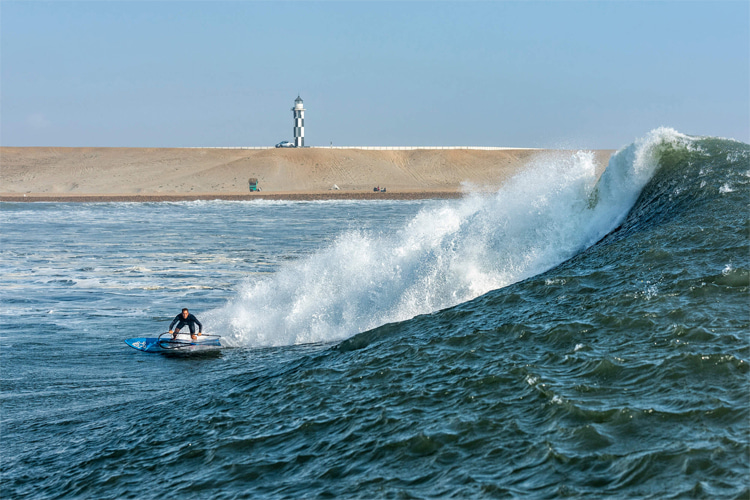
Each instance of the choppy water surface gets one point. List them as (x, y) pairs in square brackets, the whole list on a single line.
[(563, 337)]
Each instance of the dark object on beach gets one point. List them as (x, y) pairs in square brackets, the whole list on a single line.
[(253, 182)]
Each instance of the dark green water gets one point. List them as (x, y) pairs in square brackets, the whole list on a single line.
[(619, 370)]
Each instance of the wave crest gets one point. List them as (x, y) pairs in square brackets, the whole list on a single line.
[(447, 254)]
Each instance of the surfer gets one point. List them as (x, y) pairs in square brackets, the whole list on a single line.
[(185, 318)]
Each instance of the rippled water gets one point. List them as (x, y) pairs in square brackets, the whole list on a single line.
[(561, 338)]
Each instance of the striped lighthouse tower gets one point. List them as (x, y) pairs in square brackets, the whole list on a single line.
[(299, 123)]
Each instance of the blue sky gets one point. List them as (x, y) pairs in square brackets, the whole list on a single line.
[(519, 74)]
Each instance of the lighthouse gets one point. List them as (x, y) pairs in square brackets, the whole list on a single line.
[(299, 123)]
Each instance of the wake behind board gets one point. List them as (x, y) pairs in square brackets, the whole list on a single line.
[(164, 343)]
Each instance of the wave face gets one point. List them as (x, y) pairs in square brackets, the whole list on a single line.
[(624, 370), (446, 255)]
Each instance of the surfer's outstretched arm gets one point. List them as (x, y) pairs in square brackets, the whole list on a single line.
[(174, 322)]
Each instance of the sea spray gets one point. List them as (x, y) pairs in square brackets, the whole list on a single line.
[(445, 255)]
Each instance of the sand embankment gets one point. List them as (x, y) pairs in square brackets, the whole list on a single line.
[(154, 174)]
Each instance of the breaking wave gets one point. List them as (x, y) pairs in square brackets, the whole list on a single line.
[(448, 254)]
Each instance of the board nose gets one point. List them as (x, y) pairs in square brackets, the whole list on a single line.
[(139, 344)]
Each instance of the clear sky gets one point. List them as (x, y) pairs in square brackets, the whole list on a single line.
[(521, 74)]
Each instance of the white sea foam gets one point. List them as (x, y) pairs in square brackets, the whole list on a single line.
[(445, 255)]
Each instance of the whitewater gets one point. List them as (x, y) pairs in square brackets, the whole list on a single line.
[(445, 255), (571, 334)]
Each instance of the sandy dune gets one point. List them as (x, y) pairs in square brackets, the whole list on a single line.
[(75, 172)]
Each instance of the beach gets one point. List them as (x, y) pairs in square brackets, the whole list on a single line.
[(171, 174)]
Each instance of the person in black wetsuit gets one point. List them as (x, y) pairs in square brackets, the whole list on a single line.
[(185, 318)]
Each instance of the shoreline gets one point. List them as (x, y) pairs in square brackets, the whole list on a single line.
[(296, 196)]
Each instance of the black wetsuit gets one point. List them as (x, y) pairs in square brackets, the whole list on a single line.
[(190, 321)]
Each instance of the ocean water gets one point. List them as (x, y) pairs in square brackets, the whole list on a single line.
[(567, 336)]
